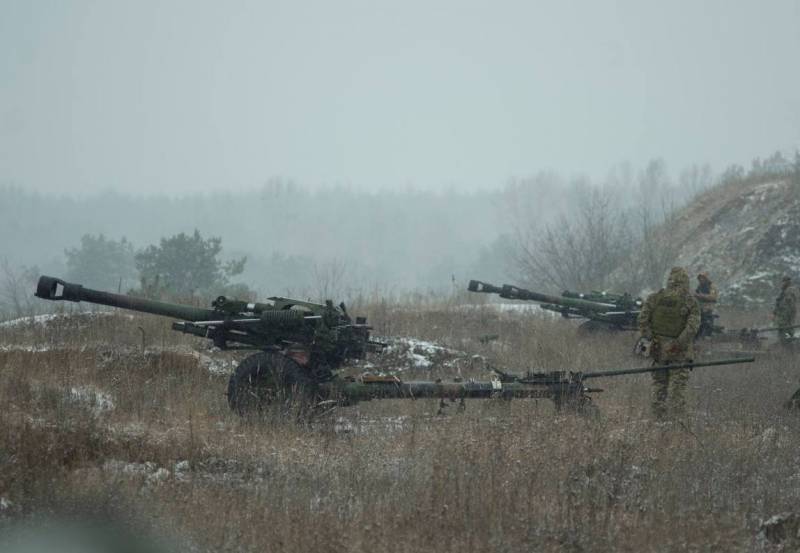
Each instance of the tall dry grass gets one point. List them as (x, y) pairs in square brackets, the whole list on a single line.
[(392, 475)]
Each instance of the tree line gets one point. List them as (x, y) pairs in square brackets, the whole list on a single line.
[(545, 231)]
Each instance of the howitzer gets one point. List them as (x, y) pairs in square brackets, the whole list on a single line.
[(300, 342), (618, 312)]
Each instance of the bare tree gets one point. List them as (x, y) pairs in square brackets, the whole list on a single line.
[(16, 289), (652, 252), (579, 251), (696, 178), (328, 278), (617, 236)]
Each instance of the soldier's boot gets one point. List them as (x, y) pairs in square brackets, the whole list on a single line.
[(658, 394), (678, 388)]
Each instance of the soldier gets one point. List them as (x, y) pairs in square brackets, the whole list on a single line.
[(670, 319), (785, 311), (706, 293)]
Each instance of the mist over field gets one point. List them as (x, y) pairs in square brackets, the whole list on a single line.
[(404, 147), (202, 157), (377, 242)]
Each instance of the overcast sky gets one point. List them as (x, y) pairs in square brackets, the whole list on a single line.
[(198, 95)]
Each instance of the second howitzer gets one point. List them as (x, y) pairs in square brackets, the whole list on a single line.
[(612, 311)]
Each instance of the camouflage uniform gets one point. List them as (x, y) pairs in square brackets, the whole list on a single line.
[(785, 311), (707, 295), (670, 318)]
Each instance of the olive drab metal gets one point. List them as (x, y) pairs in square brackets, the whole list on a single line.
[(604, 310), (309, 340), (669, 315)]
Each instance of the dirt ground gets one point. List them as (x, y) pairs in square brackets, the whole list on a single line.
[(116, 415)]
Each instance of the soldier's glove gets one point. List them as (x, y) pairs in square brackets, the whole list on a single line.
[(643, 347)]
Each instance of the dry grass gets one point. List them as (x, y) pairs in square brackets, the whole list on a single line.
[(393, 476)]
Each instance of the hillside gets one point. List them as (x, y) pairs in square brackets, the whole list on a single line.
[(746, 234)]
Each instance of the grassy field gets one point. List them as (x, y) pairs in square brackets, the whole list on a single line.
[(118, 415)]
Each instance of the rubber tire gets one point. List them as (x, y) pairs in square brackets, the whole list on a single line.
[(269, 381)]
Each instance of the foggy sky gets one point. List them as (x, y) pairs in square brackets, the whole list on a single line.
[(179, 96)]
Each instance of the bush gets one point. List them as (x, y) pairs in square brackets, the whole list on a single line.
[(102, 263), (185, 265)]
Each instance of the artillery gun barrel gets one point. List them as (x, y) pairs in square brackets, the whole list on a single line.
[(592, 296), (656, 368), (51, 288), (508, 291)]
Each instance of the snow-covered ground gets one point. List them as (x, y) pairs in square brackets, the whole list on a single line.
[(403, 353), (420, 354), (525, 308), (28, 321), (48, 319), (746, 236)]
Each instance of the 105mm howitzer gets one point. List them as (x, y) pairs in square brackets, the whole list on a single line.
[(302, 343), (611, 311)]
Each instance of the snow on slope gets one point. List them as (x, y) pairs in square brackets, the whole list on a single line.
[(746, 235)]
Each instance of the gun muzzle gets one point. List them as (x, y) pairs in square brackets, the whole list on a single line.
[(483, 287), (51, 288)]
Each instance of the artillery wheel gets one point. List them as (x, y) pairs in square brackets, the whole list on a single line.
[(268, 381)]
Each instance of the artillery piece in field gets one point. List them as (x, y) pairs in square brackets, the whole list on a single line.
[(301, 345), (600, 310)]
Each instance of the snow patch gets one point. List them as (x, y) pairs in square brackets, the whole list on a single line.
[(29, 321), (418, 354), (18, 348), (216, 366), (364, 425), (53, 318), (150, 472), (97, 400), (522, 308)]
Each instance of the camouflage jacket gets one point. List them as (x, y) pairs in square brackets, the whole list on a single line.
[(707, 295), (667, 349)]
